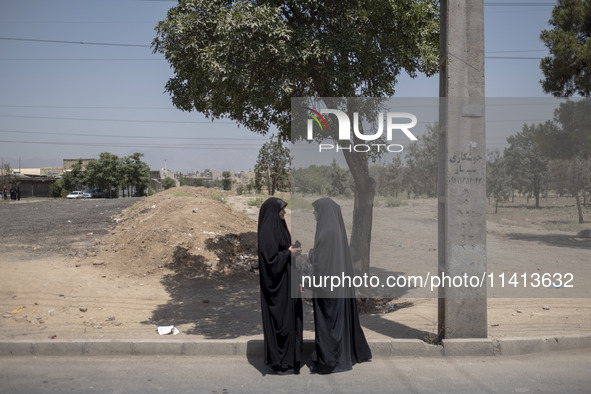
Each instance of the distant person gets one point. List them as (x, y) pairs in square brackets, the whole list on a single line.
[(18, 193), (282, 314), (339, 339)]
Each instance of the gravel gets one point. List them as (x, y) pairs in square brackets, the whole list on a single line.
[(57, 225)]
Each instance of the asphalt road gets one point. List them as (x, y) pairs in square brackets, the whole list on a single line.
[(547, 372)]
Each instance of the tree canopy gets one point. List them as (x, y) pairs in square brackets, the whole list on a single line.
[(567, 70), (245, 60)]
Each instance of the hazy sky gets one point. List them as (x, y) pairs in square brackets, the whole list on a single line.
[(62, 95)]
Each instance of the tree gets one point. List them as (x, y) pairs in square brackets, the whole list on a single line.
[(498, 185), (568, 138), (245, 60), (168, 182), (338, 180), (422, 162), (75, 178), (272, 166), (6, 176), (395, 176), (226, 180), (525, 161), (567, 70), (136, 174), (312, 179), (105, 173)]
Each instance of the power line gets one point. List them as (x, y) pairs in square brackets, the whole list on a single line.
[(520, 4), (131, 145), (83, 107), (168, 137), (513, 57), (79, 22), (115, 120), (77, 59), (518, 51), (75, 42)]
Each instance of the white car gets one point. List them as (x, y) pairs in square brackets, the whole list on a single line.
[(75, 194)]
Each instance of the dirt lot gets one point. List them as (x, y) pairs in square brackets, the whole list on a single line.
[(121, 268)]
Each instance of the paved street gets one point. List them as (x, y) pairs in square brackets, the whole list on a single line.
[(546, 372)]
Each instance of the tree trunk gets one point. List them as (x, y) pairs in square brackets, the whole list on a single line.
[(537, 190), (579, 208), (575, 189), (365, 187)]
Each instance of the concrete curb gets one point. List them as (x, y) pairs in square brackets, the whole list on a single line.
[(254, 348)]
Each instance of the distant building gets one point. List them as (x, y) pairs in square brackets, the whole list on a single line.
[(207, 177), (33, 182), (68, 163), (243, 177), (36, 182), (156, 178)]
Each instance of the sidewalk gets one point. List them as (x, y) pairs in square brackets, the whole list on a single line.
[(407, 332), (254, 347)]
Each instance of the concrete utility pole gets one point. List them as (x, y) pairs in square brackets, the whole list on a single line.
[(462, 172)]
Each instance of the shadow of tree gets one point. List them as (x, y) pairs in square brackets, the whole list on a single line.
[(225, 303), (393, 329), (388, 300), (235, 250), (221, 304), (375, 303), (553, 240)]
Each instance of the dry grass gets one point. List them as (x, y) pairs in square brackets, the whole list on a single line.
[(554, 214)]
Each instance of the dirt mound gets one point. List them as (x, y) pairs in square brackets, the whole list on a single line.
[(185, 229)]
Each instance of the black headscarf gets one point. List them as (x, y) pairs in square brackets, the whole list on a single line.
[(339, 341), (273, 235), (332, 255), (282, 314)]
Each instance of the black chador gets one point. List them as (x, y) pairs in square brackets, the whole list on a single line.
[(339, 341), (282, 314)]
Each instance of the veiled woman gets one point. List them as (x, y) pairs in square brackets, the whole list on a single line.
[(282, 314), (339, 341)]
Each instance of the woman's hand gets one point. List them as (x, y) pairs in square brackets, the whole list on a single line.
[(295, 252)]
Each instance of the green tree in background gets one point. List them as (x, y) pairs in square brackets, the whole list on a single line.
[(526, 164), (422, 162), (136, 174), (74, 179), (168, 183), (105, 173), (568, 138), (245, 60), (272, 166), (498, 185), (226, 180), (338, 180)]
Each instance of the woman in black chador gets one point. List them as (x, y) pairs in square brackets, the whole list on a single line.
[(282, 313), (340, 342)]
